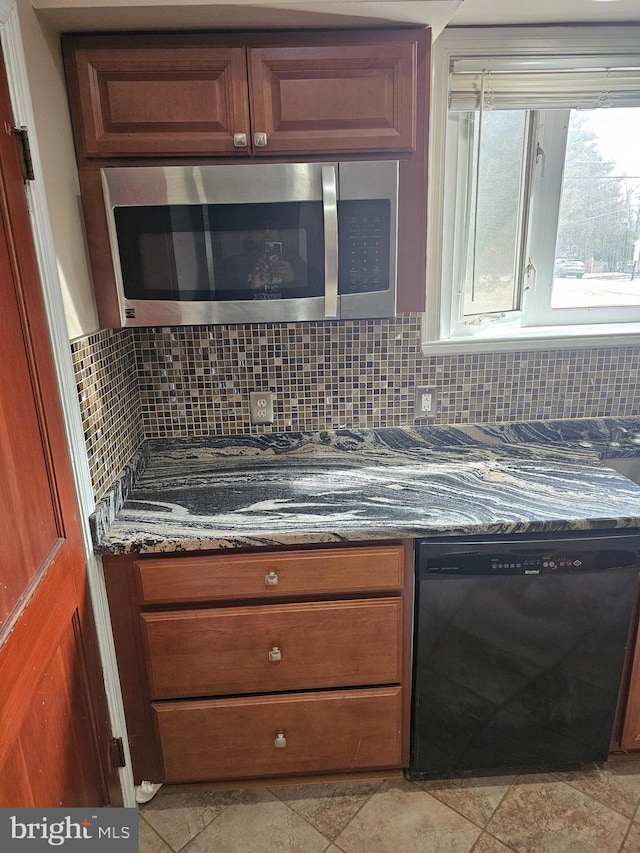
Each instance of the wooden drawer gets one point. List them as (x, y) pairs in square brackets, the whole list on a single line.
[(235, 738), (224, 651), (273, 574)]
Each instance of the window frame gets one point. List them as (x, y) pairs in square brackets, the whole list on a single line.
[(440, 334), (459, 182)]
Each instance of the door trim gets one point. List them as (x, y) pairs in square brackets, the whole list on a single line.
[(11, 39)]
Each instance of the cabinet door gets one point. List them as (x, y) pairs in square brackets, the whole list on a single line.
[(162, 100), (631, 724), (343, 97)]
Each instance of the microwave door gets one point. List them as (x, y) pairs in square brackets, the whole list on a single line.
[(230, 200)]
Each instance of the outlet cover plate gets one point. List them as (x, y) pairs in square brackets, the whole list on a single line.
[(261, 407), (426, 400)]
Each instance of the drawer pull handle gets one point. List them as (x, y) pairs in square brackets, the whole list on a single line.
[(275, 654), (240, 140), (260, 140), (280, 741), (271, 579)]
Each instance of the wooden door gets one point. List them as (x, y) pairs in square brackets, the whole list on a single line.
[(318, 99), (151, 96), (55, 741)]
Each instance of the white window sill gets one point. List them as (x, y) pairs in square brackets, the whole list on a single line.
[(496, 339)]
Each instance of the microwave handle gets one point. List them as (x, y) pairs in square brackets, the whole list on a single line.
[(330, 214)]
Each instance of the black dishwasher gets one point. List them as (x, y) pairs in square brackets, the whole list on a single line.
[(519, 649)]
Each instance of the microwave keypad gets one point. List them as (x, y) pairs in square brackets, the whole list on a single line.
[(363, 240)]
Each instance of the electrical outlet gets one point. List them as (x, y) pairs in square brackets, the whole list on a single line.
[(261, 407), (425, 402)]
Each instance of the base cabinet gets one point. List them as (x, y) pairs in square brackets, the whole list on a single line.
[(264, 663)]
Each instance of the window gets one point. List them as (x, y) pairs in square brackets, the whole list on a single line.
[(535, 218)]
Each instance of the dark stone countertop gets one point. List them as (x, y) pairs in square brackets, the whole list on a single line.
[(298, 488)]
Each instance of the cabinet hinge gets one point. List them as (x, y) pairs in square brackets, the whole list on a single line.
[(24, 149), (117, 753)]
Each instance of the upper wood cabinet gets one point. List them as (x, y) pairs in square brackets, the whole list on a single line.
[(356, 97), (140, 100), (251, 94)]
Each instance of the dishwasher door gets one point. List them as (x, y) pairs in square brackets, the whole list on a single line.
[(519, 653)]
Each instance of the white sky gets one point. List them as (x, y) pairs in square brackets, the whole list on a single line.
[(618, 130)]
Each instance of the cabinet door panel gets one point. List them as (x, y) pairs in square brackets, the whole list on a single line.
[(631, 723), (358, 97), (235, 738), (150, 101), (273, 648)]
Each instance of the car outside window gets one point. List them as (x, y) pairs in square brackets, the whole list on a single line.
[(567, 267)]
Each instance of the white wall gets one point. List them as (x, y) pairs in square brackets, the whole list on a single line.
[(60, 176)]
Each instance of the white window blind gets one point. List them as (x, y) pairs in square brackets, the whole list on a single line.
[(576, 82)]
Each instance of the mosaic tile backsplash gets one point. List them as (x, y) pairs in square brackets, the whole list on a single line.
[(106, 376), (195, 380)]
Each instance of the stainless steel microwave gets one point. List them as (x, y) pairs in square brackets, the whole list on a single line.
[(253, 243)]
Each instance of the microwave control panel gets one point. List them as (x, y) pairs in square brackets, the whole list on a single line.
[(363, 245)]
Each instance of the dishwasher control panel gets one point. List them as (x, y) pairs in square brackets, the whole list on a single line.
[(547, 562)]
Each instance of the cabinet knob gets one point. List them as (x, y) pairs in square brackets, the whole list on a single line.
[(260, 140), (275, 653), (240, 140), (271, 579), (280, 741)]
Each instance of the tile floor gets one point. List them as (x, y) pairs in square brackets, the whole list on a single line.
[(594, 810)]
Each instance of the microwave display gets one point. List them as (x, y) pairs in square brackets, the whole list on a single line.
[(249, 251)]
